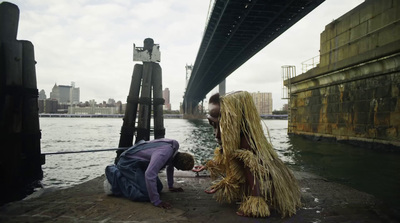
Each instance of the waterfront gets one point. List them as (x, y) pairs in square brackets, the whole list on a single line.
[(371, 171)]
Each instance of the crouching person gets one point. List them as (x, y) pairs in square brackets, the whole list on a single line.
[(135, 176)]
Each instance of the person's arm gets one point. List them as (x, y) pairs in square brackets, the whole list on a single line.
[(170, 179), (170, 176), (158, 159)]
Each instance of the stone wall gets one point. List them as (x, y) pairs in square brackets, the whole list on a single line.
[(362, 31), (353, 94)]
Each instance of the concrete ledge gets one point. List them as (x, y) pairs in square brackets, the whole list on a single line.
[(383, 51), (358, 141), (323, 201)]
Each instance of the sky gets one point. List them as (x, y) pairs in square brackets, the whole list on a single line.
[(90, 42)]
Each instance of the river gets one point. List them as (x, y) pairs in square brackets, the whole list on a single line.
[(373, 171)]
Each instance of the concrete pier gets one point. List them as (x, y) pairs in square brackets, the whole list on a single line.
[(323, 201)]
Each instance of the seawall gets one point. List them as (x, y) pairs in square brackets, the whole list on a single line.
[(353, 94)]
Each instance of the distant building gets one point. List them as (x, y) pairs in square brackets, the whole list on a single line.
[(41, 105), (285, 107), (121, 107), (111, 102), (167, 104), (93, 110), (50, 106), (263, 102), (42, 95), (65, 94)]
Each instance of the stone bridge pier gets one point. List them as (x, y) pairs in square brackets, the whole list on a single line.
[(353, 94)]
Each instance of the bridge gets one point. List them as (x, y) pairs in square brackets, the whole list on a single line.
[(236, 31)]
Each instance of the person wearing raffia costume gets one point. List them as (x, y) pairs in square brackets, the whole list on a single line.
[(245, 164)]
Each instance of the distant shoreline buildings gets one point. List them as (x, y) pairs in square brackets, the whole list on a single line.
[(65, 94), (263, 102), (167, 103), (65, 99)]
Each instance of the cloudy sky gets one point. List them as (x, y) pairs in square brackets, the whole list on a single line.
[(90, 42)]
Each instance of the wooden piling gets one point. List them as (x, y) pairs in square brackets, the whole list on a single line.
[(158, 102), (20, 163), (150, 76), (128, 127), (143, 130), (30, 119)]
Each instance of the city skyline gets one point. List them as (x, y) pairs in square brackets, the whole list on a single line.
[(91, 43), (61, 93)]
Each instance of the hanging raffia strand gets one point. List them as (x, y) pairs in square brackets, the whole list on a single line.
[(227, 190), (255, 207), (216, 166), (230, 176)]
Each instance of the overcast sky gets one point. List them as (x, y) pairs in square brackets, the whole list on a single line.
[(90, 42)]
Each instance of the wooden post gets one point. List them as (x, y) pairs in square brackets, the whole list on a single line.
[(30, 119), (10, 102), (20, 163), (128, 126), (158, 102), (143, 130), (149, 74)]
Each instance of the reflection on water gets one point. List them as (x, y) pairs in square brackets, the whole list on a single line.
[(194, 136), (202, 141), (371, 171)]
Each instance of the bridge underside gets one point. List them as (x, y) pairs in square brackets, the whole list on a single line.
[(236, 31)]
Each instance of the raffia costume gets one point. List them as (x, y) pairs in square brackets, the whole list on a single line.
[(278, 187)]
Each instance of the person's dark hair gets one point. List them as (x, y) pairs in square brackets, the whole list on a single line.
[(183, 161), (214, 99)]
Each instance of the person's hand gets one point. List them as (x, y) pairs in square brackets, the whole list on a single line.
[(198, 168), (211, 191), (176, 189), (164, 205)]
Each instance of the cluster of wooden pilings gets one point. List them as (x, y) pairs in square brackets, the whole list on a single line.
[(20, 159), (146, 80)]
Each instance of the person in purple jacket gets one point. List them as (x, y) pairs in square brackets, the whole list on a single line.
[(135, 176)]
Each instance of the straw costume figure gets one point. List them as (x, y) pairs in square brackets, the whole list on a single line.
[(245, 164)]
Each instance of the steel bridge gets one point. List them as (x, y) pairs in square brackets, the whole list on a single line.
[(236, 31)]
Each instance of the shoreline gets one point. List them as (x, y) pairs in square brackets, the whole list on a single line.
[(323, 201), (165, 116)]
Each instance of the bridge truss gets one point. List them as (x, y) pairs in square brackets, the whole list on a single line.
[(236, 31)]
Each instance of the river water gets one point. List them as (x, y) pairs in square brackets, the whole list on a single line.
[(372, 171)]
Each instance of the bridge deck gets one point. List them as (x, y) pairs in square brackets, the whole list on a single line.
[(236, 31)]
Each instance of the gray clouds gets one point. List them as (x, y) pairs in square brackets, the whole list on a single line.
[(90, 42)]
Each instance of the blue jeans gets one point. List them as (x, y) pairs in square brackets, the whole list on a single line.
[(127, 179)]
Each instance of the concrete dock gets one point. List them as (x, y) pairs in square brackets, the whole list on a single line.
[(323, 201)]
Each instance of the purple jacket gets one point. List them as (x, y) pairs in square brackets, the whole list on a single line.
[(158, 157)]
